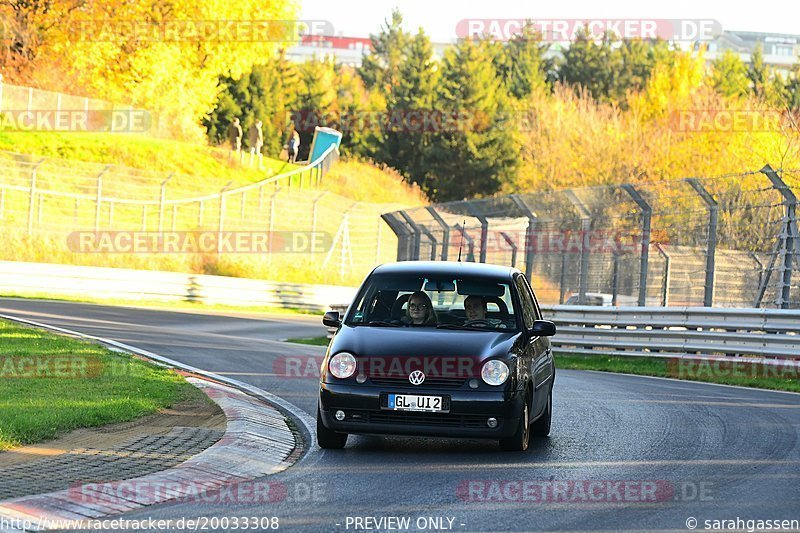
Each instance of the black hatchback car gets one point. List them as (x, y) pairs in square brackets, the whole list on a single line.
[(439, 349)]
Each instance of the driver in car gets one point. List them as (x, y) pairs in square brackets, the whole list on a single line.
[(475, 309)]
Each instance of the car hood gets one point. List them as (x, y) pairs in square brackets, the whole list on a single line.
[(365, 341)]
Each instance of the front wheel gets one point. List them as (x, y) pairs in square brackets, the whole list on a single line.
[(541, 427), (518, 442), (330, 440)]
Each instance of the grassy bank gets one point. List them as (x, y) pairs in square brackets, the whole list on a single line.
[(315, 341), (783, 378), (37, 231), (50, 385)]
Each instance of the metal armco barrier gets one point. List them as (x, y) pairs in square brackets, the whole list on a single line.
[(675, 331), (20, 278)]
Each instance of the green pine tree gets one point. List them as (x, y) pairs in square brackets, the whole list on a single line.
[(380, 68), (590, 65), (405, 144), (729, 75), (520, 64), (478, 155), (758, 72)]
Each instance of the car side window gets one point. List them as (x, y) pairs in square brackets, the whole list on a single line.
[(528, 313), (537, 312)]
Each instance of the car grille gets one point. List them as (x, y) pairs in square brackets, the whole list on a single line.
[(420, 419), (402, 381)]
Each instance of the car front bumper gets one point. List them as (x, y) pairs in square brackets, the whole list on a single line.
[(467, 416)]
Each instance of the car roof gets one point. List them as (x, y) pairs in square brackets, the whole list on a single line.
[(448, 268)]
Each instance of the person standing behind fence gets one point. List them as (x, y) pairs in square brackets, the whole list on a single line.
[(235, 138), (294, 146), (255, 140)]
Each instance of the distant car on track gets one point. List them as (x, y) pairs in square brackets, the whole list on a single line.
[(439, 349)]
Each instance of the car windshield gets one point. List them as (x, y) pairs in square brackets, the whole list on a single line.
[(434, 301)]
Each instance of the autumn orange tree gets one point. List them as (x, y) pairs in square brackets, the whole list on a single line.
[(163, 55)]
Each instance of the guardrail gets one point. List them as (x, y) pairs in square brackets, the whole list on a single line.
[(673, 332), (36, 279)]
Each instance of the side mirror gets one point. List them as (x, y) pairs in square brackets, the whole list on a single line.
[(543, 328), (331, 319)]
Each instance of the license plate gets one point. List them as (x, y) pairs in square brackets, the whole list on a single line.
[(413, 402)]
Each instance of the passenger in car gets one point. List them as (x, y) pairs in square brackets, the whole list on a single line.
[(420, 311), (475, 311)]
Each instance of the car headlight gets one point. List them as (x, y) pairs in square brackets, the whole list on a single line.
[(494, 372), (342, 365)]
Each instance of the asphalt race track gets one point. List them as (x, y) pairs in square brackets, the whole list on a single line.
[(686, 449)]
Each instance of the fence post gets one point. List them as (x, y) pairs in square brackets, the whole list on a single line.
[(314, 214), (445, 231), (174, 215), (713, 217), (221, 219), (144, 217), (614, 278), (647, 213), (586, 227), (529, 237), (402, 232), (200, 215), (791, 240), (163, 197), (562, 278), (513, 245), (271, 222), (378, 243), (484, 228), (243, 205), (99, 198), (417, 235), (666, 279), (32, 199)]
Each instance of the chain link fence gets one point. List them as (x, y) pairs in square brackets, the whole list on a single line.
[(43, 201), (29, 109), (728, 241)]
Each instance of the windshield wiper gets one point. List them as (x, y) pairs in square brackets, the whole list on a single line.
[(383, 324), (470, 328)]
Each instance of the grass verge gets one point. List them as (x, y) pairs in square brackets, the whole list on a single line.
[(782, 377), (166, 306), (51, 384), (316, 341)]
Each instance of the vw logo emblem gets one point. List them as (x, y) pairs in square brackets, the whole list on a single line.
[(416, 377)]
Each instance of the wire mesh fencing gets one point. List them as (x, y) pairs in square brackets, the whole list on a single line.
[(85, 213), (31, 109), (728, 241)]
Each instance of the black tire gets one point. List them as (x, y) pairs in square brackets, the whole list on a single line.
[(330, 440), (541, 427), (518, 442)]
